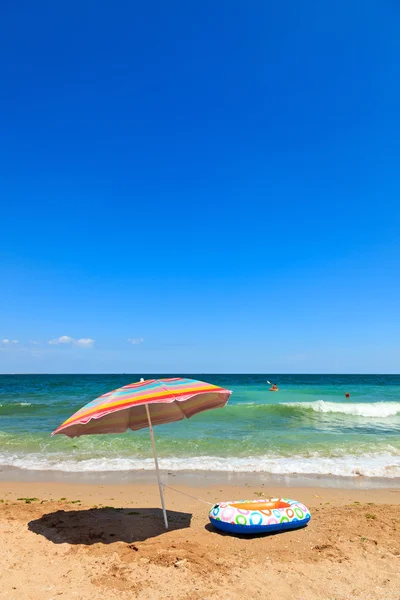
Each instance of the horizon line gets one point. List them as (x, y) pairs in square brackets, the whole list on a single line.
[(267, 374)]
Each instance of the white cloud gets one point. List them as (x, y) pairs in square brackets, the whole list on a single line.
[(66, 339), (34, 343), (135, 340), (7, 345), (85, 342)]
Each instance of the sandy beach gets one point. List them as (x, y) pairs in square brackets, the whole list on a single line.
[(104, 540)]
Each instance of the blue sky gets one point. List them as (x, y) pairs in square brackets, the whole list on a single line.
[(218, 182)]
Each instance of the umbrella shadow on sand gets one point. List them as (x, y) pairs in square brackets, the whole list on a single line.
[(106, 525)]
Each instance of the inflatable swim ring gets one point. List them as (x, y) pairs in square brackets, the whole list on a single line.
[(259, 516)]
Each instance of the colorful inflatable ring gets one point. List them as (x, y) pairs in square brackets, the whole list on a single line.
[(259, 516)]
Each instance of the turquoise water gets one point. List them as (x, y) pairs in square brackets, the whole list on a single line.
[(309, 426)]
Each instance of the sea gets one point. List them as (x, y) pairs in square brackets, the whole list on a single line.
[(309, 427)]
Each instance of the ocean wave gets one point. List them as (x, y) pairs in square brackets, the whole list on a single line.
[(361, 409), (17, 404), (16, 407), (35, 408), (386, 465)]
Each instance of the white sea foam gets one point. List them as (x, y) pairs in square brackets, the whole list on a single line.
[(361, 409), (386, 464)]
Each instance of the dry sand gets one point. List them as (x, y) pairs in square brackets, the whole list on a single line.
[(112, 544)]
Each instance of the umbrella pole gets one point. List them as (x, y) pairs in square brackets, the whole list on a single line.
[(160, 486)]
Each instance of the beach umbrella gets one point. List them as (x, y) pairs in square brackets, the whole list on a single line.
[(145, 404)]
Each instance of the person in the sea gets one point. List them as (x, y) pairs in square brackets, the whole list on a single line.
[(273, 388)]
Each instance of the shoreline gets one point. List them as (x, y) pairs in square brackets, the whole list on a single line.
[(189, 494), (199, 479)]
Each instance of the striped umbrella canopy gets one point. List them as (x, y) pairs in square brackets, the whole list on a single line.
[(144, 404)]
